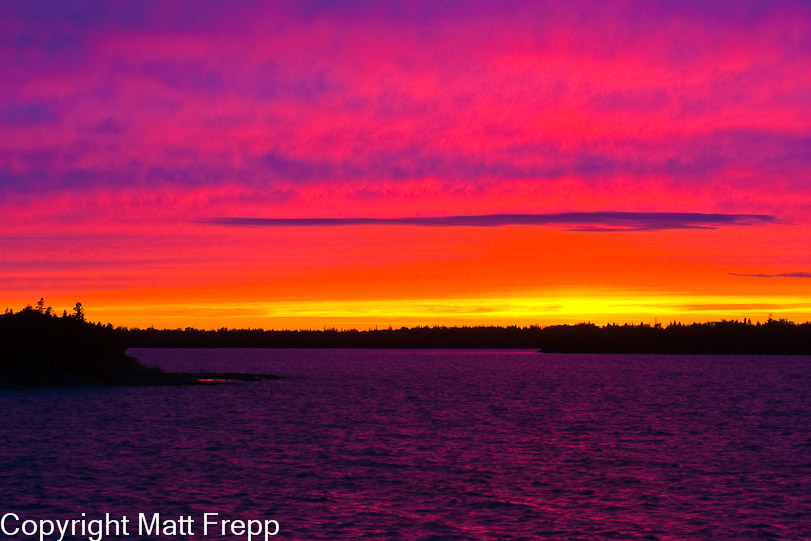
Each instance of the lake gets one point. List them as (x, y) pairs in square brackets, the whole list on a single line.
[(428, 444)]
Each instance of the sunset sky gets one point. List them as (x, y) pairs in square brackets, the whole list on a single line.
[(350, 164)]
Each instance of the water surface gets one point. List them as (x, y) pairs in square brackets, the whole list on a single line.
[(394, 444)]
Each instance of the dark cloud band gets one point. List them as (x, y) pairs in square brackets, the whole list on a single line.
[(778, 275), (576, 221)]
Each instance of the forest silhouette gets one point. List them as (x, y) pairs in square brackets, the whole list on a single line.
[(721, 337), (40, 348)]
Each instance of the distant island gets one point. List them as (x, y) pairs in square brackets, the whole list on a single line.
[(40, 348), (774, 337), (721, 337)]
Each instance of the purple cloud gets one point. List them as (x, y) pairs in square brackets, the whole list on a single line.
[(29, 114), (184, 76), (777, 275), (118, 164), (580, 221)]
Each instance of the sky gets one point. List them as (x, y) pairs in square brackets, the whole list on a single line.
[(311, 164)]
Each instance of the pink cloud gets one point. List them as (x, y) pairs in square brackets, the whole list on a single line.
[(155, 109)]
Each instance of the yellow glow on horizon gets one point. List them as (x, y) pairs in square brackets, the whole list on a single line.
[(600, 308)]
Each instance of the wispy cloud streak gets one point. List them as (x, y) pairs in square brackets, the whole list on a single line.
[(580, 221), (777, 275)]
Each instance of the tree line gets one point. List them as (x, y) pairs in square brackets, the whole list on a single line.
[(731, 337), (37, 333)]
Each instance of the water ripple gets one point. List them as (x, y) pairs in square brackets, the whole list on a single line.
[(432, 445)]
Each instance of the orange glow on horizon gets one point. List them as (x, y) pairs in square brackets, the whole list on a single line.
[(415, 276)]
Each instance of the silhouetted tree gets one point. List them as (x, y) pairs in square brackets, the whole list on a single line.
[(78, 312)]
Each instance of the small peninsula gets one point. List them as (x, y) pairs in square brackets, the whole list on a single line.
[(42, 349)]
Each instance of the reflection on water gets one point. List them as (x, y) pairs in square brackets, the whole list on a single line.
[(431, 444)]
